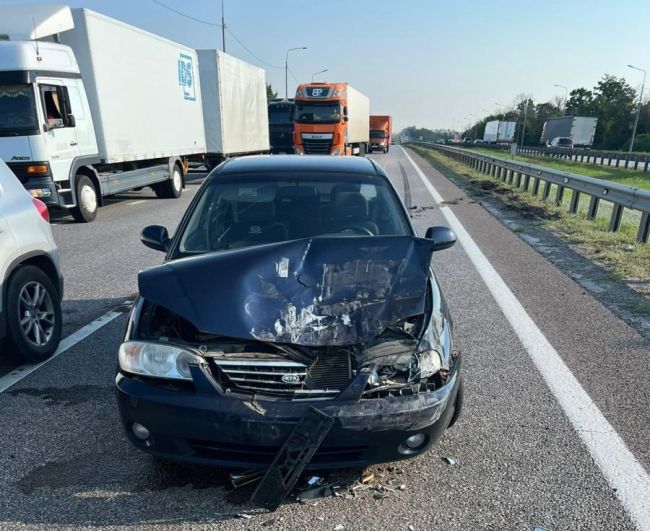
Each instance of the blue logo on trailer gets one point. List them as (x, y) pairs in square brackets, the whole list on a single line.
[(186, 77)]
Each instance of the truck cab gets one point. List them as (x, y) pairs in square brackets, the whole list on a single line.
[(45, 125), (281, 113), (330, 119)]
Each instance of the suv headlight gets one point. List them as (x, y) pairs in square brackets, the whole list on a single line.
[(157, 360)]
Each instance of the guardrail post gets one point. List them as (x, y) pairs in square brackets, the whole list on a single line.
[(547, 190), (575, 202), (644, 228), (526, 182), (536, 186), (518, 179), (559, 196), (594, 203), (615, 220)]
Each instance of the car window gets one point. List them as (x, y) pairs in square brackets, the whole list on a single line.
[(257, 210)]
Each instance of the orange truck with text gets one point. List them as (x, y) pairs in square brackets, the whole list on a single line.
[(381, 127), (331, 119)]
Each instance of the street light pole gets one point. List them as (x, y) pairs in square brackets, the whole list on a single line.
[(638, 111), (223, 29), (286, 70), (504, 115), (316, 73), (566, 95)]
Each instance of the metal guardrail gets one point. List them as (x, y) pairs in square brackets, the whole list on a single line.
[(614, 159), (522, 175)]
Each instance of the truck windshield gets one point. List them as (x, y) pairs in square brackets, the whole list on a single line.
[(17, 110), (377, 134), (280, 114), (318, 113)]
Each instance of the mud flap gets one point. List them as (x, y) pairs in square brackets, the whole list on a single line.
[(290, 461)]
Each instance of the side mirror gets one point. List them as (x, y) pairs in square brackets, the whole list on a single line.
[(443, 237), (156, 237), (46, 128), (71, 121), (345, 118)]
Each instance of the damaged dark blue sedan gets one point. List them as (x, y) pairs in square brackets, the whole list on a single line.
[(293, 286)]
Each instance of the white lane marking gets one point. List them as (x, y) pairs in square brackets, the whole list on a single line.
[(136, 202), (624, 473), (24, 370)]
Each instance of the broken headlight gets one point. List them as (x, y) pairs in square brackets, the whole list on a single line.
[(404, 368), (157, 360)]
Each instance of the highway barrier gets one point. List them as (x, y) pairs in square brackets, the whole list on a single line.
[(523, 175), (614, 159)]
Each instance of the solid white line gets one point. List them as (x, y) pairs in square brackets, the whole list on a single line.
[(136, 202), (624, 473), (24, 370)]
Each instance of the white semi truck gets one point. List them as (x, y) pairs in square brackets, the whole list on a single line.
[(90, 106), (499, 131)]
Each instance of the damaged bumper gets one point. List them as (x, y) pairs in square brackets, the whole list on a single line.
[(203, 424)]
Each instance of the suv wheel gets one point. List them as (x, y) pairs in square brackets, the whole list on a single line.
[(33, 314)]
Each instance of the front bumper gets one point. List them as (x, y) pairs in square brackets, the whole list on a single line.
[(208, 426)]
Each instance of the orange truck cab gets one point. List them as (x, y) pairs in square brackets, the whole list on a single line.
[(331, 119), (381, 128)]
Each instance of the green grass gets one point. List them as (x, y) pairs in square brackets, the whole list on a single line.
[(617, 252), (634, 178)]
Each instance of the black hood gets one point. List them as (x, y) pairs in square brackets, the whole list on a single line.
[(310, 292)]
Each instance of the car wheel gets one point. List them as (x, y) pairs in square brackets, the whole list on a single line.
[(87, 203), (33, 314), (172, 188)]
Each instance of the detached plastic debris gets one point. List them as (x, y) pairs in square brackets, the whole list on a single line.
[(339, 527), (449, 460), (245, 516), (239, 479), (367, 477), (314, 480), (320, 491)]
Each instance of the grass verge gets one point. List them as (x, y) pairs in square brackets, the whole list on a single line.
[(634, 178), (617, 252)]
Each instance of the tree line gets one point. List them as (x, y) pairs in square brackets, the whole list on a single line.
[(613, 101)]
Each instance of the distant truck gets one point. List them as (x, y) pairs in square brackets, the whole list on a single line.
[(281, 113), (235, 116), (331, 119), (580, 129), (381, 128), (499, 131), (105, 108)]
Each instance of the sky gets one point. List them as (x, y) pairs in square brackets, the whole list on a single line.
[(428, 63)]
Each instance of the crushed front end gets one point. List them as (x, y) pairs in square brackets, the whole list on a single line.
[(189, 392)]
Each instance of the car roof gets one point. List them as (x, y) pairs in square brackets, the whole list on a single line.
[(309, 163)]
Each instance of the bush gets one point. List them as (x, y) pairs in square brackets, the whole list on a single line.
[(642, 142)]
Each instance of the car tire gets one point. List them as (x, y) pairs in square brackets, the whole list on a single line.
[(171, 188), (87, 201), (34, 319)]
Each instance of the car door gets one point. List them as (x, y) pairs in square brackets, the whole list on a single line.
[(60, 133)]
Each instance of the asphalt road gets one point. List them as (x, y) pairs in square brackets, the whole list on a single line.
[(519, 462)]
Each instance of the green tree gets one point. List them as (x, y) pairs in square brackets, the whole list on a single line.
[(581, 103), (614, 101), (270, 93)]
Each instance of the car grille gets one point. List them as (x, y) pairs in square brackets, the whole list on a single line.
[(317, 146), (254, 454), (324, 378)]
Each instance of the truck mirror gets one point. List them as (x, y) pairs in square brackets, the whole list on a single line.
[(46, 127), (71, 121), (345, 118), (345, 110)]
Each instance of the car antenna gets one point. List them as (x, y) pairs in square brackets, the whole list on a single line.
[(38, 54)]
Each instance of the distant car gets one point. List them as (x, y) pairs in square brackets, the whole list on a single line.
[(467, 140), (564, 142), (31, 284), (478, 141), (292, 283)]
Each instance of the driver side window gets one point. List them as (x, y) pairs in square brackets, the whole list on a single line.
[(56, 106)]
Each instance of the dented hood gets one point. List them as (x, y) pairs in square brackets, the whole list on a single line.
[(310, 292)]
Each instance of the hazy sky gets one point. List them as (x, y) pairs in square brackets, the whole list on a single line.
[(428, 63)]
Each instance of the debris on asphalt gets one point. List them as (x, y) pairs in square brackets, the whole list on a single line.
[(320, 491), (411, 527), (339, 527), (540, 529), (239, 479), (245, 516), (269, 522), (449, 460), (367, 477), (314, 480)]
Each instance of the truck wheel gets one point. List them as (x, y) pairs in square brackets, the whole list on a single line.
[(172, 188), (86, 209), (33, 314)]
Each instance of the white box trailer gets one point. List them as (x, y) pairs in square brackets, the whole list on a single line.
[(105, 107), (499, 131), (581, 129), (235, 114), (358, 117)]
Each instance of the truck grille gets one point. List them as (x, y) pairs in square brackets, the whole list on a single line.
[(323, 379), (317, 146)]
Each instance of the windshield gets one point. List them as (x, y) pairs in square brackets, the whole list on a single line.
[(253, 210), (17, 110), (378, 134), (318, 113), (280, 114)]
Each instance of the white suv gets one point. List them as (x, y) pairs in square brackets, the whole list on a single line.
[(31, 285)]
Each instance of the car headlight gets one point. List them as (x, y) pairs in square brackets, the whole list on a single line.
[(404, 367), (157, 360)]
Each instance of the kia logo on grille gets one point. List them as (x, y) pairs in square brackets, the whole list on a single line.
[(290, 378)]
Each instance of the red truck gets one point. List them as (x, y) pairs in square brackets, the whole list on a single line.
[(380, 133)]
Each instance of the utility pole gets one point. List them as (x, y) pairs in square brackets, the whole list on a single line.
[(566, 95), (223, 29), (523, 131), (638, 111)]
